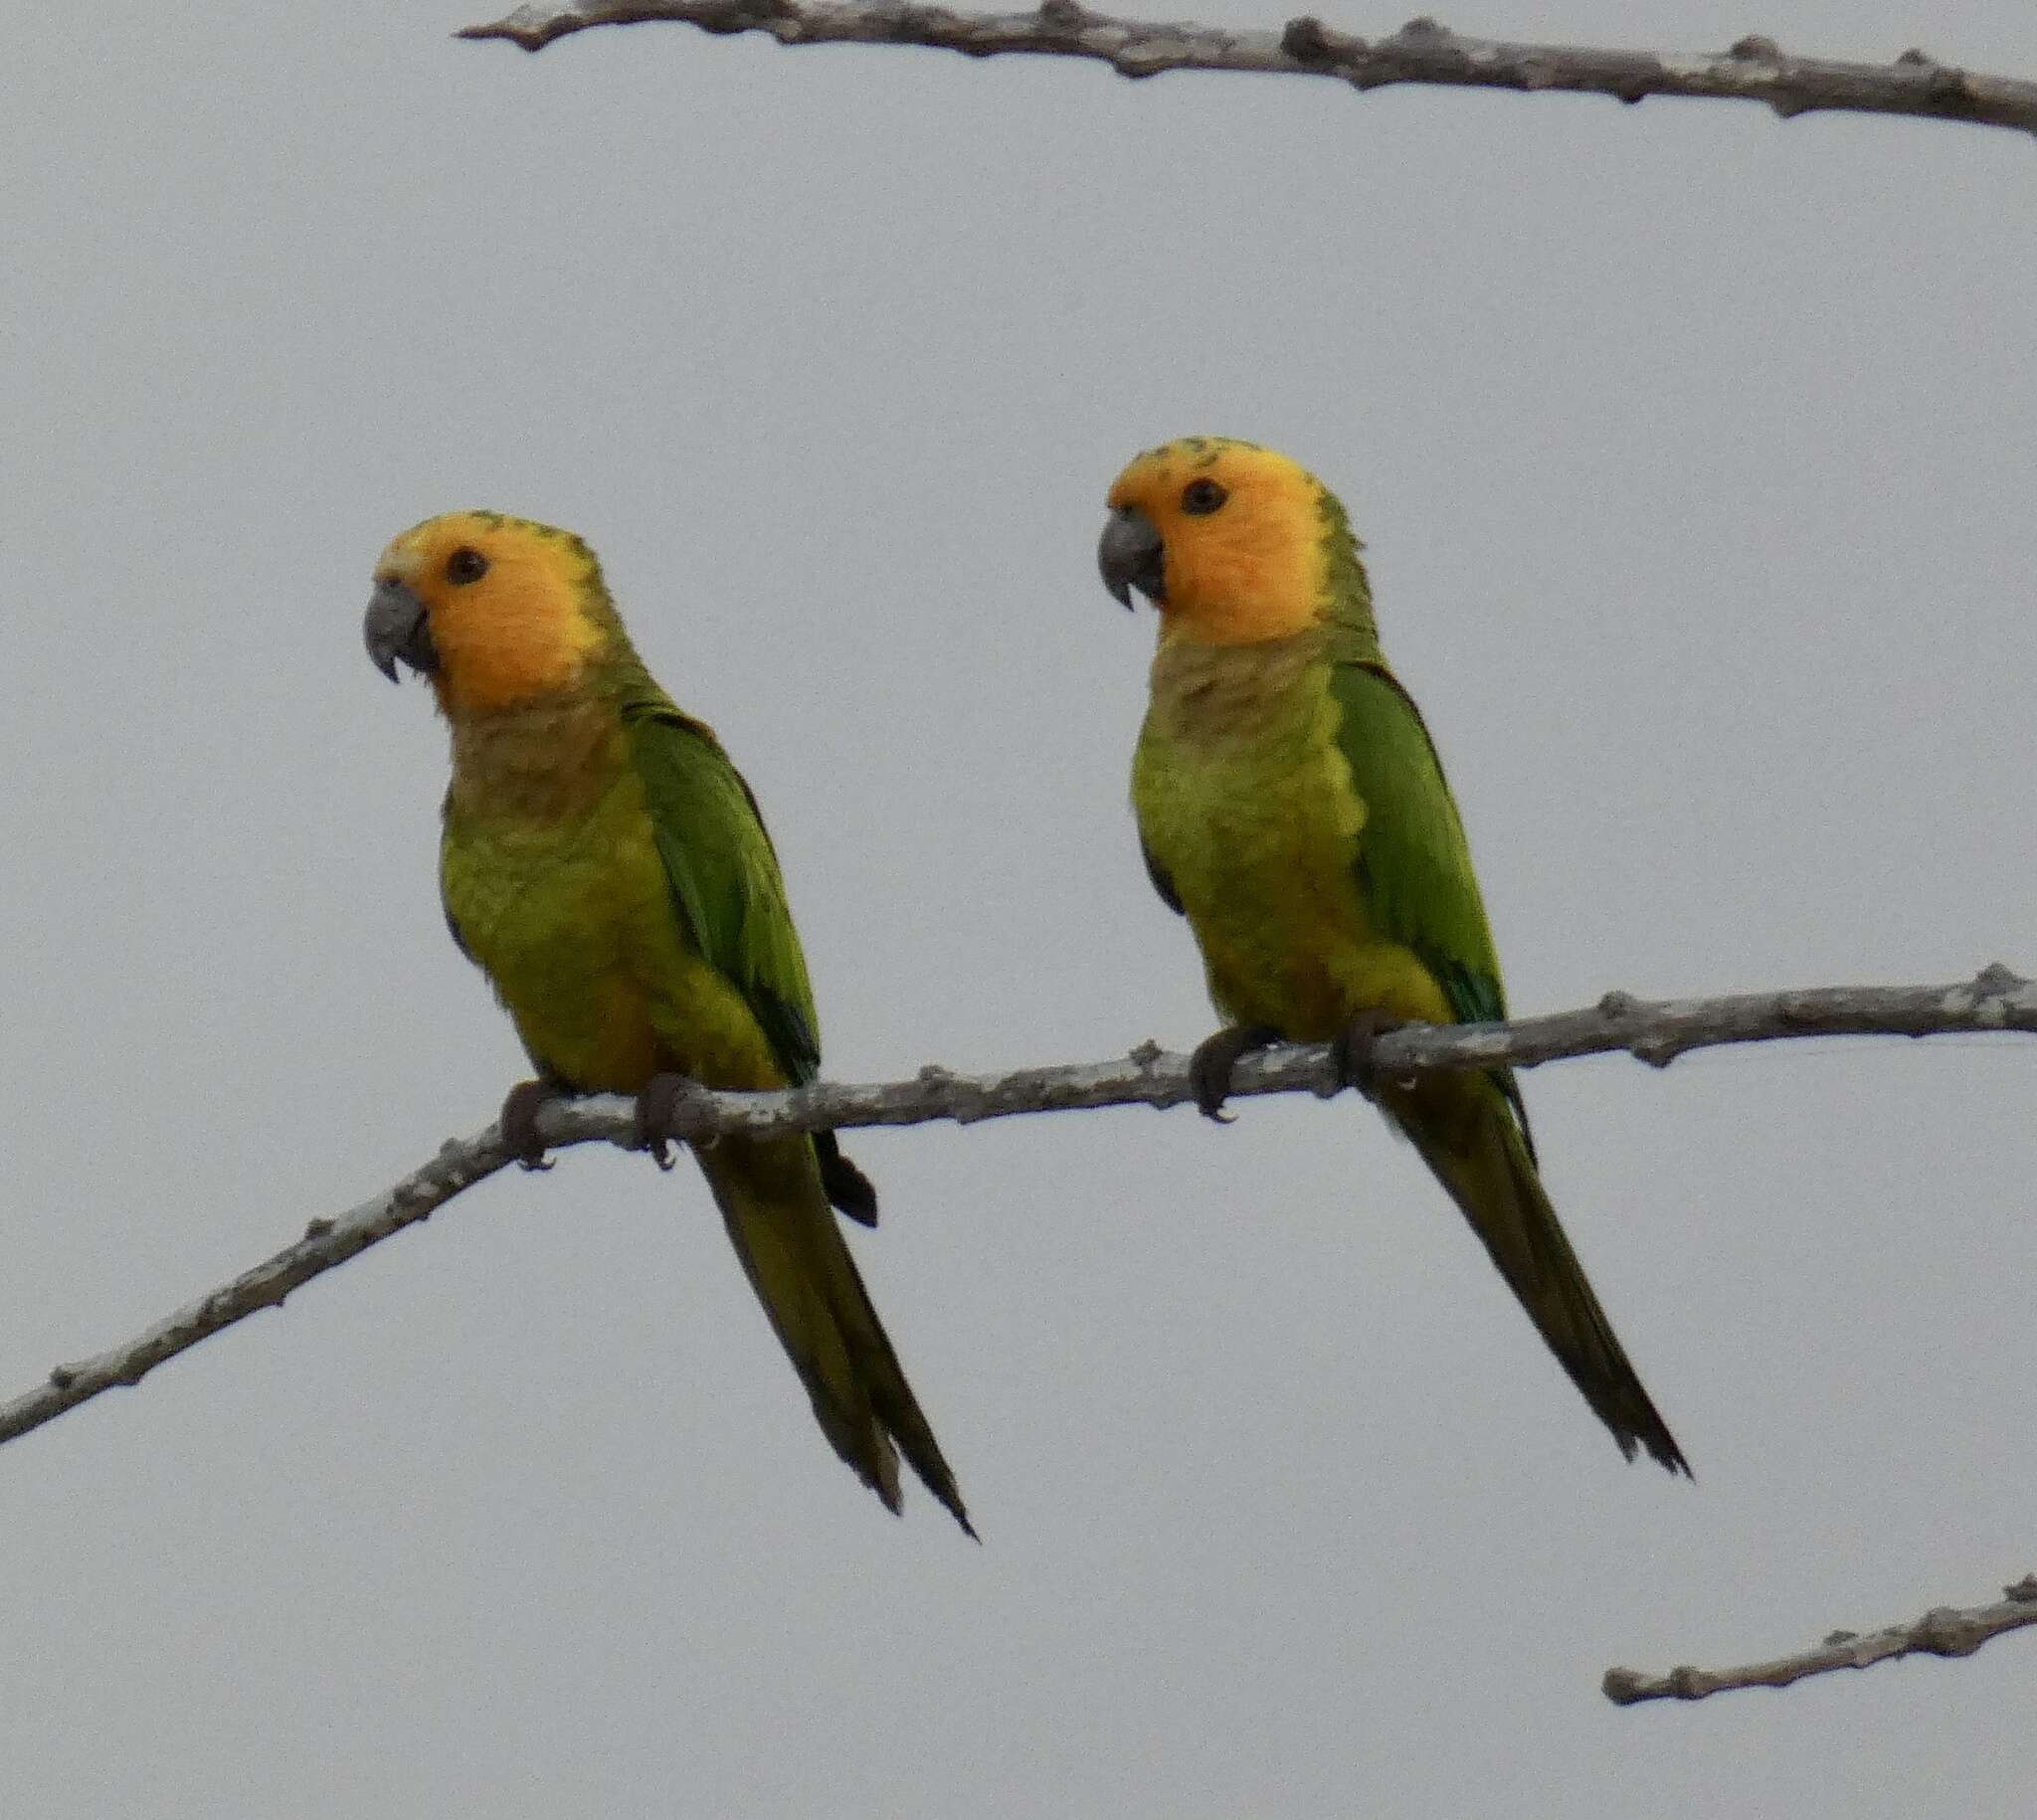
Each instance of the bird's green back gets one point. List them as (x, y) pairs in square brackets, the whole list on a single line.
[(726, 885)]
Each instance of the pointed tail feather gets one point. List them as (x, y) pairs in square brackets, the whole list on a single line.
[(778, 1218), (1477, 1151)]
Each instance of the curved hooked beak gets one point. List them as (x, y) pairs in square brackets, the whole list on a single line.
[(1132, 555), (396, 628)]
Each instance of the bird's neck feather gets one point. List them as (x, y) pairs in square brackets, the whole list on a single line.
[(1221, 692), (547, 760)]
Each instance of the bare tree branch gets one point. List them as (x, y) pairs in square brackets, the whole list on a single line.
[(1942, 1631), (1655, 1032), (1754, 69)]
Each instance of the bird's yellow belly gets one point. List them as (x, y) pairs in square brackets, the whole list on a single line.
[(584, 947), (1266, 868), (1281, 932)]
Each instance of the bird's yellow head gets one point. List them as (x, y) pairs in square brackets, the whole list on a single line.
[(498, 612), (1234, 543)]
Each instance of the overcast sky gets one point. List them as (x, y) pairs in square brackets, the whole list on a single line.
[(1693, 450)]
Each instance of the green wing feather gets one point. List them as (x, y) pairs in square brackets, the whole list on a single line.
[(725, 875), (1414, 864), (727, 888)]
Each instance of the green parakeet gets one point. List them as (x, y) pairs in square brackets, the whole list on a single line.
[(606, 867), (1292, 807)]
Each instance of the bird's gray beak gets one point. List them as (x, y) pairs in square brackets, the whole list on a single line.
[(1132, 555), (396, 628)]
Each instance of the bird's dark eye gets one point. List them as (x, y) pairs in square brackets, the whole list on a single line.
[(1202, 497), (466, 565)]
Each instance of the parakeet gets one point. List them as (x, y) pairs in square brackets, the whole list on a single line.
[(1291, 805), (604, 865)]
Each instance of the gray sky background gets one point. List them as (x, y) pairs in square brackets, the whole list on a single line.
[(1694, 453)]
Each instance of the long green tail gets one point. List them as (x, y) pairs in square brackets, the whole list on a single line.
[(778, 1221), (1470, 1140)]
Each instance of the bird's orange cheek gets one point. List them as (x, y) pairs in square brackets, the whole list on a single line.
[(517, 658)]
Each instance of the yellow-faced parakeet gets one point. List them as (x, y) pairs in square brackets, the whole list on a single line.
[(1291, 805), (606, 867)]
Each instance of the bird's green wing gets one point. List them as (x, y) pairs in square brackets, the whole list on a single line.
[(1414, 863), (725, 875)]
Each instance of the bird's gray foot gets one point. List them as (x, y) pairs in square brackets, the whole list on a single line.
[(1352, 1050), (1215, 1060), (658, 1113), (521, 1107)]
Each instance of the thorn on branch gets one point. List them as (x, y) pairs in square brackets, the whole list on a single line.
[(1306, 40), (1637, 87), (1942, 1631)]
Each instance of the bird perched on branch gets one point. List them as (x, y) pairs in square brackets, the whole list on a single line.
[(605, 864), (1292, 807)]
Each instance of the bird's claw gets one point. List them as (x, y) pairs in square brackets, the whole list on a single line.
[(1215, 1060), (658, 1108), (1352, 1050), (520, 1108)]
